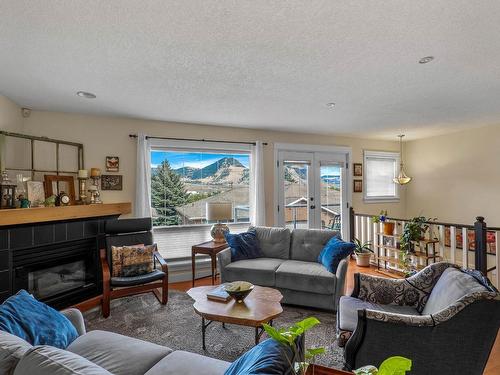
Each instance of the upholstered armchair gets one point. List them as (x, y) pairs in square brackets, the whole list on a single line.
[(131, 232), (443, 318)]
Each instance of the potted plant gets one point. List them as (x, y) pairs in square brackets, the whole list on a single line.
[(413, 231), (289, 337), (388, 227), (391, 366), (363, 253)]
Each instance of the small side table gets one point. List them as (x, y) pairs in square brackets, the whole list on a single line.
[(208, 248)]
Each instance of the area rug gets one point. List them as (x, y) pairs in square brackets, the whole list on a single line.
[(177, 326)]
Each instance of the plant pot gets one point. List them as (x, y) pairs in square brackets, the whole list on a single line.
[(363, 259), (389, 228)]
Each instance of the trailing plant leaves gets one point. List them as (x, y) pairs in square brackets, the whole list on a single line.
[(307, 324), (395, 366), (313, 352)]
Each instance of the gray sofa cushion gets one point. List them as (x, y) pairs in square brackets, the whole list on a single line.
[(47, 360), (274, 242), (349, 306), (12, 349), (120, 355), (451, 286), (258, 271), (305, 277), (185, 363), (306, 244)]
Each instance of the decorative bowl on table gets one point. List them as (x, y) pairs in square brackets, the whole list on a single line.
[(239, 290)]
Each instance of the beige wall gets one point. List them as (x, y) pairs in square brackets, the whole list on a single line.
[(456, 177), (10, 115), (104, 136)]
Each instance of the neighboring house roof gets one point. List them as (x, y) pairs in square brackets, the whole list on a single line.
[(238, 195)]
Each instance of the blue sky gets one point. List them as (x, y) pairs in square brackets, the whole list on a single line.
[(179, 159)]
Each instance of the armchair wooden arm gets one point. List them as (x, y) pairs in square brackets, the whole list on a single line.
[(161, 260), (106, 283)]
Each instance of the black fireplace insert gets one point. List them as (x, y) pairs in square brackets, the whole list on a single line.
[(58, 274)]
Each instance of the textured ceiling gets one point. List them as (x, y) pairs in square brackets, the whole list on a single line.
[(260, 64)]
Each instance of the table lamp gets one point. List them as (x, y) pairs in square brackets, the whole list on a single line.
[(219, 211)]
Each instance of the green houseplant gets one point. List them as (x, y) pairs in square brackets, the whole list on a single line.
[(289, 336), (363, 253), (413, 231), (391, 366)]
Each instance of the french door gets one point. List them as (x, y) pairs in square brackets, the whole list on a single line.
[(312, 190)]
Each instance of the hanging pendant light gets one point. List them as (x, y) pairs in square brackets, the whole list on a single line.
[(402, 178)]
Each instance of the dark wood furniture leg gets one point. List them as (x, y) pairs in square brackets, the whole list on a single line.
[(193, 261), (214, 267), (106, 278)]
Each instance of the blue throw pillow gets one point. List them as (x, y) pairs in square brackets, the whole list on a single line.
[(269, 357), (33, 321), (334, 251), (244, 245)]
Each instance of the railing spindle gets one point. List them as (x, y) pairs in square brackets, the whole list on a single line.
[(465, 245), (453, 243), (441, 240), (497, 258)]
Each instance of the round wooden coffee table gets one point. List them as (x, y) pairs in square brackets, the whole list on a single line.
[(261, 306)]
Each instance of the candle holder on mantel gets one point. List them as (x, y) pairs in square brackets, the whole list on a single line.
[(83, 175), (95, 194)]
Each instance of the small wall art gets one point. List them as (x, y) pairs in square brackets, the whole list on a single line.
[(111, 182), (112, 164), (357, 169), (358, 186)]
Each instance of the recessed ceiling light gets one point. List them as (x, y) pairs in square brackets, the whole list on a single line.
[(330, 105), (87, 95), (426, 59)]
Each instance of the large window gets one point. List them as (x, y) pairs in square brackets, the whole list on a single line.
[(380, 169), (183, 180)]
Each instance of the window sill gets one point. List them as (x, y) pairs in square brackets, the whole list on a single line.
[(381, 200)]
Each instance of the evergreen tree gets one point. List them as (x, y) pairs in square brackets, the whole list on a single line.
[(167, 192)]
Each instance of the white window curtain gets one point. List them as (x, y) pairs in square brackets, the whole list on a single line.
[(257, 198), (142, 207)]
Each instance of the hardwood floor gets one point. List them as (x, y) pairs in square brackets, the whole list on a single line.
[(492, 368)]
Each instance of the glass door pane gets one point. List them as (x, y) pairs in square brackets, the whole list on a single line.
[(296, 194), (330, 186)]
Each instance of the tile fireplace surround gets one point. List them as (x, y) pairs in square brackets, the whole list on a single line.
[(54, 254)]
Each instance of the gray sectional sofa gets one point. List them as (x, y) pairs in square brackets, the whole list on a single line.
[(101, 353), (290, 265)]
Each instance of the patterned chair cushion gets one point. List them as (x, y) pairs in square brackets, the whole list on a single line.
[(131, 261)]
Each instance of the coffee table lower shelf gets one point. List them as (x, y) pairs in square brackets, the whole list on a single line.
[(205, 323)]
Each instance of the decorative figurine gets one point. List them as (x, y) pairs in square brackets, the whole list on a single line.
[(24, 202)]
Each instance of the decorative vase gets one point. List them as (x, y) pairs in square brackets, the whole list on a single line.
[(218, 232), (388, 228), (363, 259)]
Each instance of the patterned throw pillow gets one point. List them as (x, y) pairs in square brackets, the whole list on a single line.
[(131, 261)]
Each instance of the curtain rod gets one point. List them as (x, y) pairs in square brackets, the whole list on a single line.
[(197, 140)]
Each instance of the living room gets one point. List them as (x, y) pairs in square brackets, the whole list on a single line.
[(292, 116)]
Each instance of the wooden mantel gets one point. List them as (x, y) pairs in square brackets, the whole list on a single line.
[(21, 216)]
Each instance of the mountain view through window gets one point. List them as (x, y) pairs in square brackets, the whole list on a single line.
[(182, 182)]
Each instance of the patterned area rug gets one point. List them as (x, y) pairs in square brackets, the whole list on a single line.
[(177, 326)]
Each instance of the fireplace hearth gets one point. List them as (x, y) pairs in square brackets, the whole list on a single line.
[(56, 260)]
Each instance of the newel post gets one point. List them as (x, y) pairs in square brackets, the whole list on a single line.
[(480, 230), (351, 224)]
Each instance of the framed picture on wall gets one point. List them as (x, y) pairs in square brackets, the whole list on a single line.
[(358, 186), (112, 164), (357, 169), (111, 182)]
